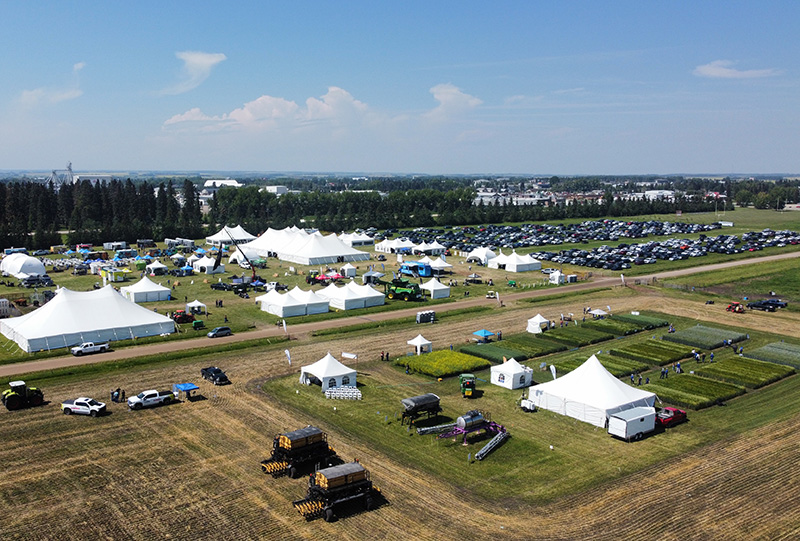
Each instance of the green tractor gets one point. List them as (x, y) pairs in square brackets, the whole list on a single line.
[(400, 288), (467, 382), (20, 395)]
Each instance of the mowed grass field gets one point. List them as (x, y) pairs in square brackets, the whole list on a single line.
[(191, 470)]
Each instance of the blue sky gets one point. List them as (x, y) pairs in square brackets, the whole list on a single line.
[(528, 87)]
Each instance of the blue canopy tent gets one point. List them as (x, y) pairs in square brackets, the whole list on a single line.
[(483, 334), (185, 388)]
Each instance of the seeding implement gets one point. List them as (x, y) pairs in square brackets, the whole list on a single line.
[(298, 449), (337, 485)]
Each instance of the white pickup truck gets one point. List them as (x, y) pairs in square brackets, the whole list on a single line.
[(90, 347), (147, 399), (83, 406)]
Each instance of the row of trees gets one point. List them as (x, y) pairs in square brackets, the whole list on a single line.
[(38, 215)]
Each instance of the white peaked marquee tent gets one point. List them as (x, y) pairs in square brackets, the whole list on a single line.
[(72, 317), (535, 323), (224, 236), (437, 289), (205, 265), (590, 393), (294, 303), (352, 296), (297, 246), (514, 262), (356, 239), (196, 305), (21, 265), (313, 302), (145, 290), (421, 344), (511, 375), (329, 372), (480, 255), (388, 246), (156, 268)]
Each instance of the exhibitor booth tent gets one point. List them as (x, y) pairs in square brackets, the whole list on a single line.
[(196, 307), (21, 266), (329, 373), (356, 239), (145, 290), (156, 268), (352, 296), (535, 323), (437, 289), (480, 255), (230, 235), (72, 317), (297, 246), (421, 344), (590, 393), (514, 262), (205, 265), (314, 303), (511, 375)]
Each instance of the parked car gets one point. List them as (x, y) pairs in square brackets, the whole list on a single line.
[(83, 406), (215, 375), (667, 417), (762, 305), (217, 332), (221, 286), (151, 398), (90, 347)]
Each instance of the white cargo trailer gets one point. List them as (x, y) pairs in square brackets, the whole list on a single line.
[(632, 424)]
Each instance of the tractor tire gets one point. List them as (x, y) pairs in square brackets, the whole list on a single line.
[(406, 297), (391, 295), (13, 402), (292, 473), (67, 411), (329, 516), (36, 400)]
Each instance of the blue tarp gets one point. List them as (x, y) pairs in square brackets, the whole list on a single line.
[(483, 333), (184, 387)]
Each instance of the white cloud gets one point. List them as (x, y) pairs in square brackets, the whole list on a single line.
[(452, 102), (197, 67), (28, 99), (721, 69)]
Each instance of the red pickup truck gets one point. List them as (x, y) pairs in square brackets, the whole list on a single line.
[(667, 417)]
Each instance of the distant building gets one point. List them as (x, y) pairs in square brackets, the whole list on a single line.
[(215, 184), (94, 179), (277, 190)]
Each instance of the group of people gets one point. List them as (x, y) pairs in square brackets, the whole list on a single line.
[(638, 380), (384, 355), (118, 395)]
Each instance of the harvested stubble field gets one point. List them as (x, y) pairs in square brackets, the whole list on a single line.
[(190, 470)]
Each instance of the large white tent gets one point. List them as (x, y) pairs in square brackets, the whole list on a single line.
[(514, 262), (230, 235), (313, 302), (392, 246), (352, 296), (421, 344), (21, 265), (72, 317), (205, 265), (590, 393), (437, 289), (293, 303), (356, 239), (297, 246), (145, 290), (535, 323), (329, 372), (511, 375)]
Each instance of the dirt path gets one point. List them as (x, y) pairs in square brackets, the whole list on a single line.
[(302, 330)]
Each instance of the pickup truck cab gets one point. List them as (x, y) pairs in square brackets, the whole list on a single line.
[(667, 417), (148, 399), (90, 347), (83, 406)]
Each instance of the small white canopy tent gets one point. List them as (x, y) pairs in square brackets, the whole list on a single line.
[(556, 277), (590, 393), (230, 235), (511, 375), (21, 265), (437, 289), (439, 265), (196, 305), (72, 317), (421, 345), (206, 265), (156, 268), (329, 372), (348, 270), (535, 323), (145, 290), (598, 312)]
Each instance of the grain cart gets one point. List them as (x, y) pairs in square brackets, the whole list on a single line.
[(416, 406), (20, 395), (334, 486), (298, 449)]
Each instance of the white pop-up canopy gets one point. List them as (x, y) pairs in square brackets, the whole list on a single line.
[(156, 268), (511, 375), (329, 372), (72, 317), (145, 290), (590, 393), (535, 323), (437, 289), (421, 344), (196, 305)]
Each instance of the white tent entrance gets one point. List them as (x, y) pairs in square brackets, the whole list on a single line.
[(328, 373), (535, 323)]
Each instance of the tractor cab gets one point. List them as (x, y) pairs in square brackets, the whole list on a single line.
[(467, 382)]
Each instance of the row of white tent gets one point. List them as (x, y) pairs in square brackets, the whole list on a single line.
[(297, 246), (392, 246), (512, 262)]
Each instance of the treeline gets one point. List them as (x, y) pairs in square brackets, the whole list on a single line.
[(38, 215)]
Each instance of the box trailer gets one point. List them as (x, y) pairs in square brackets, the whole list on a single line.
[(632, 424)]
